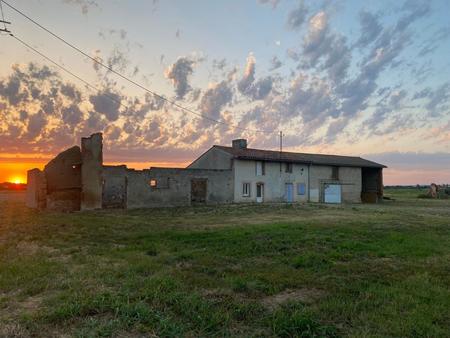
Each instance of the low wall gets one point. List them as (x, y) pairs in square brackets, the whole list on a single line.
[(173, 187)]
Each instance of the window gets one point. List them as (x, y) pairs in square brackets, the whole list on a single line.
[(301, 188), (335, 173), (153, 183), (260, 168), (289, 167), (246, 190)]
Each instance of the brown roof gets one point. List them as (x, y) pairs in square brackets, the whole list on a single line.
[(319, 159)]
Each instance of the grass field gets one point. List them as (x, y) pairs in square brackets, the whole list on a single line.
[(271, 270)]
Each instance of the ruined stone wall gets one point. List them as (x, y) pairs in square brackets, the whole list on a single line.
[(114, 187), (63, 179), (91, 172), (173, 187), (36, 189)]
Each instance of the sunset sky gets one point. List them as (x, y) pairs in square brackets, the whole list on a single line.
[(364, 78)]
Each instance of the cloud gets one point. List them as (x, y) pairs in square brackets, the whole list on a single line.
[(386, 111), (36, 124), (85, 5), (215, 99), (297, 17), (434, 42), (370, 28), (312, 100), (219, 64), (321, 44), (245, 84), (273, 3), (104, 105), (179, 73), (275, 63), (438, 100)]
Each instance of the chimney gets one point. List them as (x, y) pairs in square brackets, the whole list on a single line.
[(240, 143)]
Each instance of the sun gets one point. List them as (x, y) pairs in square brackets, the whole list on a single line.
[(16, 180)]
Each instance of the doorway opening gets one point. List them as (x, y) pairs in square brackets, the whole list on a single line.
[(259, 192), (199, 188), (289, 192)]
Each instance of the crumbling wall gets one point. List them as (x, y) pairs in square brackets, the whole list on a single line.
[(114, 187), (63, 179), (91, 172), (173, 187), (36, 189)]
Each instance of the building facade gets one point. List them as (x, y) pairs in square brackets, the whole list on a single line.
[(77, 179), (271, 176)]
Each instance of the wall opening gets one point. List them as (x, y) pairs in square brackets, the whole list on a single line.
[(199, 189), (372, 185)]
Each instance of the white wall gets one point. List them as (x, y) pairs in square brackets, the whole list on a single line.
[(274, 181), (349, 178)]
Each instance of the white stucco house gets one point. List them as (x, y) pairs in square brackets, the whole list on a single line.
[(273, 176)]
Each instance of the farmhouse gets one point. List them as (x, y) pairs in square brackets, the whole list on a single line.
[(77, 179)]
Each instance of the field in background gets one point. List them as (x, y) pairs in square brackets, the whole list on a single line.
[(271, 270)]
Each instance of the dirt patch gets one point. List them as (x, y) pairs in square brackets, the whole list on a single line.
[(13, 330), (304, 295), (32, 248)]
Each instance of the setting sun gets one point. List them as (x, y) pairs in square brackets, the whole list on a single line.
[(17, 180)]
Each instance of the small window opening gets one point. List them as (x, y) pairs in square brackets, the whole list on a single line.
[(153, 183), (260, 168), (289, 167), (246, 189), (335, 173)]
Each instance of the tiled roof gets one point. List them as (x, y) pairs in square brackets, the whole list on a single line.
[(319, 159)]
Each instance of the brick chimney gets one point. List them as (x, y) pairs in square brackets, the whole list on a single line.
[(240, 143)]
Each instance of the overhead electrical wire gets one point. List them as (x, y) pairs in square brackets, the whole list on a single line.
[(68, 71), (173, 103)]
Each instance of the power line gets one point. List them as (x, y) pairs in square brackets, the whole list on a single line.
[(173, 103), (68, 71), (4, 29)]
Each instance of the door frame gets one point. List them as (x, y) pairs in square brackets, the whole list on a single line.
[(286, 196), (203, 181), (260, 199)]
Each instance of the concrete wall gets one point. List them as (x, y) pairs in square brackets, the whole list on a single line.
[(274, 181), (174, 187), (349, 178), (214, 158), (91, 172)]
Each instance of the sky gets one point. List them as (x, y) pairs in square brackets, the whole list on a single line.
[(361, 78)]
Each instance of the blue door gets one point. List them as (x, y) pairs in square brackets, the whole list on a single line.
[(332, 193), (289, 192)]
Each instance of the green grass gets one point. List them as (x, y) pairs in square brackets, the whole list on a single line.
[(351, 270)]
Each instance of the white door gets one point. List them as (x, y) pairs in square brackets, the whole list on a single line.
[(289, 192), (332, 193), (259, 192)]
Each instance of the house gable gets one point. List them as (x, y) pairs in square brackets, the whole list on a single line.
[(214, 158)]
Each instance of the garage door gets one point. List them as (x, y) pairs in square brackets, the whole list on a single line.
[(332, 193)]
